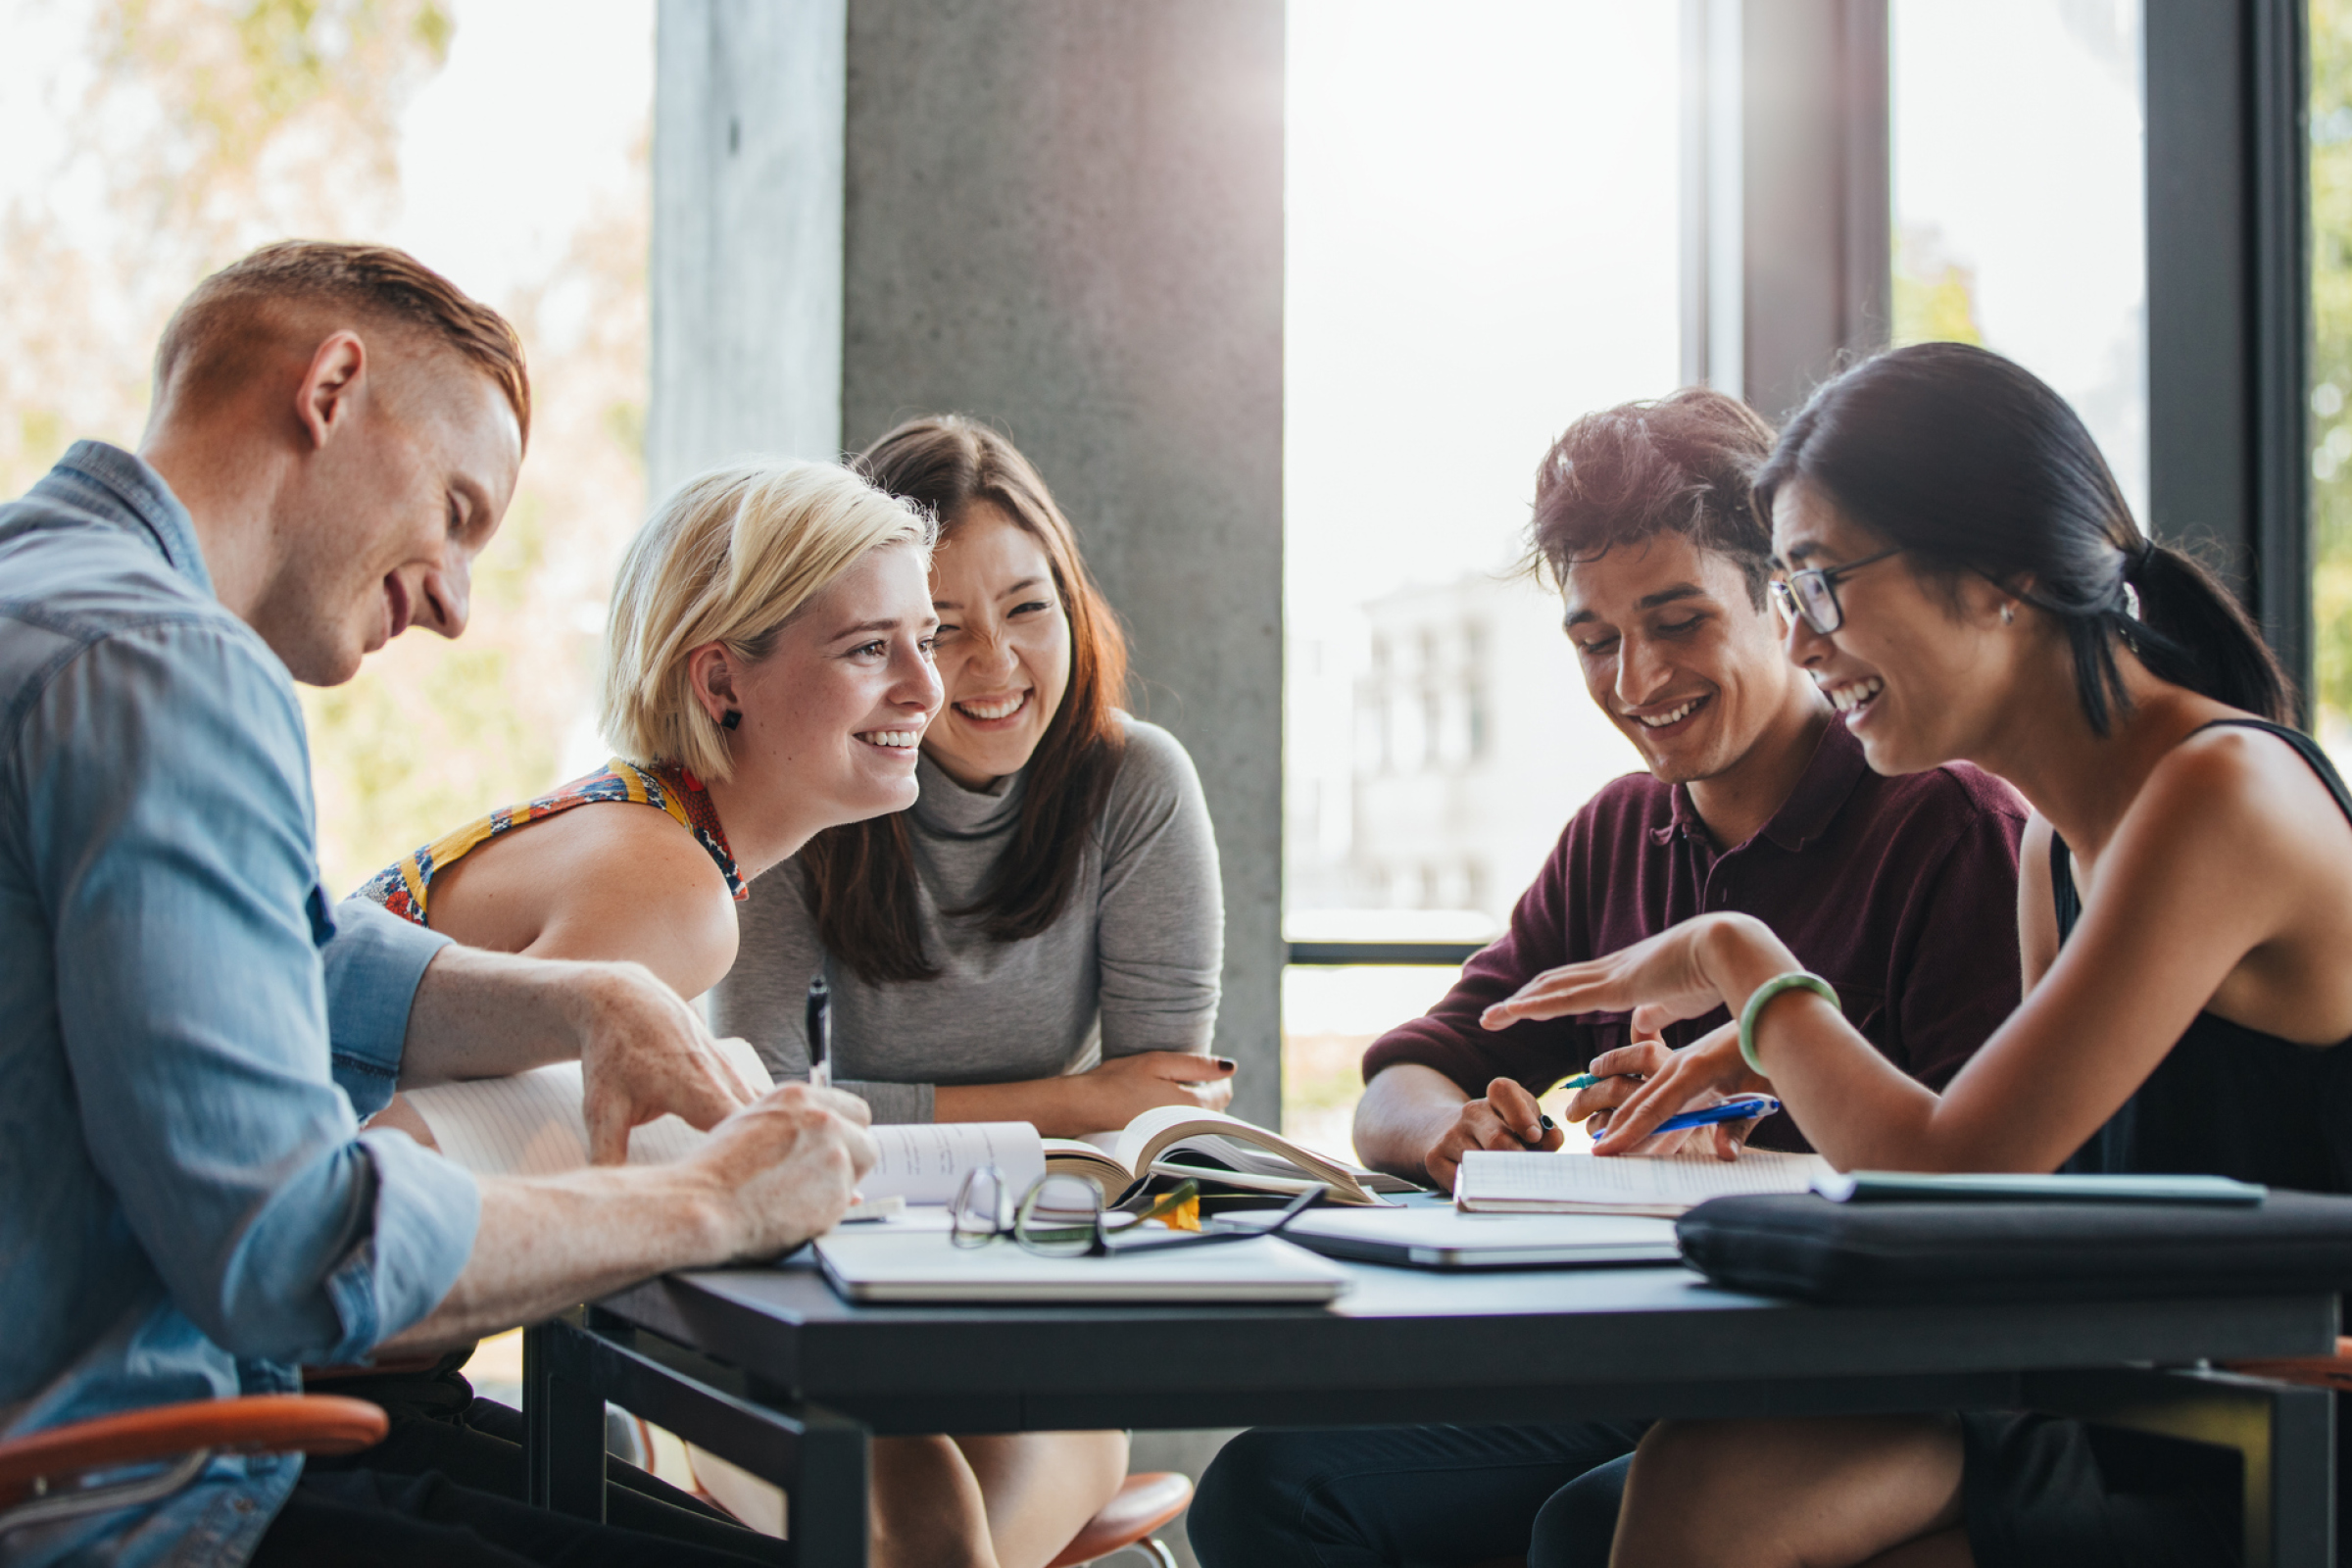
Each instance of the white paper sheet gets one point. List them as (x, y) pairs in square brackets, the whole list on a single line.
[(531, 1124), (925, 1163)]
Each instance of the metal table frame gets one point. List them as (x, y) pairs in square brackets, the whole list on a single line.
[(772, 1371)]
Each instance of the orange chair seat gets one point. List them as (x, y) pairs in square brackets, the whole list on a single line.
[(261, 1423), (2327, 1371), (1143, 1503)]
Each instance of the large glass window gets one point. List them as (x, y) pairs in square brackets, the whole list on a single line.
[(2020, 219), (2331, 369), (1482, 246), (151, 143)]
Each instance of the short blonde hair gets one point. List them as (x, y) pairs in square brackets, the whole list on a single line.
[(730, 558)]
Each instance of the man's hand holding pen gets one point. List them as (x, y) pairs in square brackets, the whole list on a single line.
[(1612, 1079), (1507, 1119), (1621, 1075)]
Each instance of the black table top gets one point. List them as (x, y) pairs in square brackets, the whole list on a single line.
[(1414, 1344)]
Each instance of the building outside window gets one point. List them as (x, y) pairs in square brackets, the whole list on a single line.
[(1439, 736)]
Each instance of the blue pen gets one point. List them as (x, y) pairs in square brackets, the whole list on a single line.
[(1741, 1109)]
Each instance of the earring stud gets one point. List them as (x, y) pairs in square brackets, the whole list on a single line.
[(733, 719), (2008, 615)]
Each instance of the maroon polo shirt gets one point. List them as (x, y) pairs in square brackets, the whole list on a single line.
[(1900, 891)]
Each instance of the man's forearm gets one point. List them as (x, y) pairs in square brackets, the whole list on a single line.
[(483, 1014), (547, 1243), (1406, 1108)]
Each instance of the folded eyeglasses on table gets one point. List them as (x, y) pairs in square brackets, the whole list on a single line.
[(1065, 1217)]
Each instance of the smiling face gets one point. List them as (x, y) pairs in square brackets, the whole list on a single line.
[(386, 521), (1916, 668), (833, 716), (1003, 646), (1675, 651)]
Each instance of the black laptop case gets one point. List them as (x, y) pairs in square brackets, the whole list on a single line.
[(1804, 1246)]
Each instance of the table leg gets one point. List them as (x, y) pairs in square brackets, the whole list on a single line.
[(575, 1363), (564, 1427), (2284, 1434)]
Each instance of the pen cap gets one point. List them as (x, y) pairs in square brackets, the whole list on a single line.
[(819, 1020)]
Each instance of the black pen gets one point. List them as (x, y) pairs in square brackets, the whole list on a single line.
[(820, 1033)]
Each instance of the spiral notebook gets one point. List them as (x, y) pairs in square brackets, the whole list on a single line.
[(1506, 1183)]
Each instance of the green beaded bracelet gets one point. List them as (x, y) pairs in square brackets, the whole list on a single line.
[(1793, 980)]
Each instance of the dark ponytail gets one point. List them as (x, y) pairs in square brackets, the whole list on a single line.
[(2194, 634), (1972, 464)]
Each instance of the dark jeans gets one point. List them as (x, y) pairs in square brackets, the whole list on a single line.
[(446, 1487), (1578, 1526), (376, 1519), (1405, 1496)]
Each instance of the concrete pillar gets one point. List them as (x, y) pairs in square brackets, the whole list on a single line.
[(746, 267), (1062, 217)]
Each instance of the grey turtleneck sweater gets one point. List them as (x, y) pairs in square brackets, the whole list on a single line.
[(1131, 966)]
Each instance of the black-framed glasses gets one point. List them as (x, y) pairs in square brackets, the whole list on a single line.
[(1063, 1216), (1813, 592)]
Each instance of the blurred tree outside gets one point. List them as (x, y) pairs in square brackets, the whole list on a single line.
[(1935, 296), (197, 130), (2331, 366)]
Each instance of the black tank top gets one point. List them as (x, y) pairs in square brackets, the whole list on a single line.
[(2229, 1100)]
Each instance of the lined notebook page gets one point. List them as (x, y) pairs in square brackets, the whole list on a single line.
[(924, 1162), (1511, 1180), (531, 1123)]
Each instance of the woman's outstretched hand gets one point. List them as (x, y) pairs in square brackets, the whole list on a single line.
[(1658, 980), (1706, 1070)]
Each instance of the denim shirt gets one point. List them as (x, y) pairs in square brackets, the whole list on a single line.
[(187, 1207)]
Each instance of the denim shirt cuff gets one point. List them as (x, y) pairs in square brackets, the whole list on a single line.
[(426, 1211), (374, 962)]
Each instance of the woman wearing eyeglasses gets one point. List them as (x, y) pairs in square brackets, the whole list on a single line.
[(1969, 584), (1038, 939)]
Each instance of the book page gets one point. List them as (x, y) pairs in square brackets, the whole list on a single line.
[(531, 1124), (925, 1163), (1242, 1144), (1529, 1178)]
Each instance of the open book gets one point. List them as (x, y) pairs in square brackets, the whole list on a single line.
[(1212, 1147), (531, 1125), (1499, 1181)]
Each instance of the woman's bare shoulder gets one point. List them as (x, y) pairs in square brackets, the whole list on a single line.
[(598, 880), (2244, 802)]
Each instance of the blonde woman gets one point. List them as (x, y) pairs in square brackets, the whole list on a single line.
[(768, 674)]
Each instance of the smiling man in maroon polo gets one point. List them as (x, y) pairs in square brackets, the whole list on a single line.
[(1902, 892)]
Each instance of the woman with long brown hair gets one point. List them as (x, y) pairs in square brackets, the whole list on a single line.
[(1037, 939)]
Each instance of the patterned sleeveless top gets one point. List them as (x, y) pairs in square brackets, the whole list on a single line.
[(403, 886)]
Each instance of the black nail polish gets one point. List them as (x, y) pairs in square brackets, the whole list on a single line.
[(1225, 1062), (1549, 1125)]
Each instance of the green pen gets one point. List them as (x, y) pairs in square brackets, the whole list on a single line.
[(1586, 1080)]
